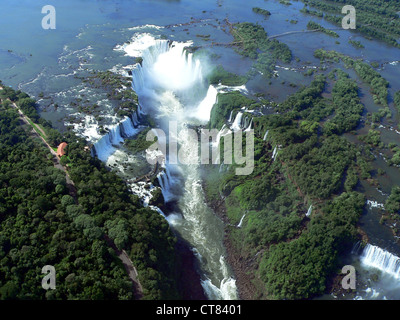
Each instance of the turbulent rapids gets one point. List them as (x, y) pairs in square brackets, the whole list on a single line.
[(171, 86)]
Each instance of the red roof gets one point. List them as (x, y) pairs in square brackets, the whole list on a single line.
[(60, 149)]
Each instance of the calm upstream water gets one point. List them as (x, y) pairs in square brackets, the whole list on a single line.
[(94, 35)]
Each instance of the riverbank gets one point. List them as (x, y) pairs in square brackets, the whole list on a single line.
[(189, 284), (243, 266)]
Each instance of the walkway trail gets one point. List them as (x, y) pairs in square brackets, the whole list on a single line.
[(122, 255), (129, 267), (231, 30)]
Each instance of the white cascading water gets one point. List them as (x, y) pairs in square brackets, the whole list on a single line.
[(266, 135), (227, 288), (171, 87), (275, 153), (249, 127), (104, 147), (309, 211), (236, 125), (241, 221), (381, 259), (239, 123), (204, 109), (167, 181), (230, 117)]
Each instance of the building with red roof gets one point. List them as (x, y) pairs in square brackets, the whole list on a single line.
[(60, 149)]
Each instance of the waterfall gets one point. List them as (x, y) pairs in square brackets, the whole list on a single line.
[(275, 153), (266, 135), (230, 117), (381, 259), (166, 181), (236, 125), (241, 221), (175, 69), (227, 289), (247, 123), (170, 85), (104, 147), (309, 211), (137, 75), (128, 127), (135, 118), (203, 111), (249, 127), (149, 52)]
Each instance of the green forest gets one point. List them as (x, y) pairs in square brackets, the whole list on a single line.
[(314, 168), (252, 41), (46, 222), (376, 19), (379, 85)]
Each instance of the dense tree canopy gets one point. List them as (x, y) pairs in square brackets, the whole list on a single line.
[(314, 171), (43, 223), (252, 41)]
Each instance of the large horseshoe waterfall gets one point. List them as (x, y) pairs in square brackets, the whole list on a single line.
[(171, 86)]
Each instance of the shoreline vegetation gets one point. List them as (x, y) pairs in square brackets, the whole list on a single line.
[(315, 26), (375, 19), (356, 44), (263, 12), (252, 41), (379, 85)]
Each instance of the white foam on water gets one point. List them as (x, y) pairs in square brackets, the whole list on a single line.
[(227, 287), (175, 70), (138, 44), (375, 204), (146, 26), (174, 219), (143, 191), (223, 89), (87, 128)]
